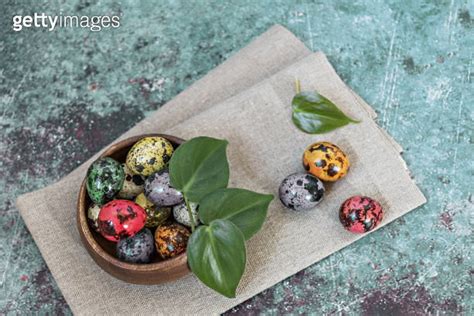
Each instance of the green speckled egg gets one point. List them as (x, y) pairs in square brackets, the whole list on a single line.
[(148, 155), (104, 180), (155, 216)]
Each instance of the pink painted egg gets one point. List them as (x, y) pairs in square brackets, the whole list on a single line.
[(360, 214)]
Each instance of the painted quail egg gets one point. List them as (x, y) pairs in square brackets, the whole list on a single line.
[(148, 155), (93, 216), (121, 219), (301, 191), (133, 184), (104, 180), (138, 248), (155, 215), (159, 191), (360, 214), (326, 161), (181, 214), (171, 240)]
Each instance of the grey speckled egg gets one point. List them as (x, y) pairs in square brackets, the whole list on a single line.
[(301, 191), (93, 216), (159, 191), (133, 185), (181, 214), (138, 248)]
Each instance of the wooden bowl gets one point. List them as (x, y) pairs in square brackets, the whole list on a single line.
[(103, 251)]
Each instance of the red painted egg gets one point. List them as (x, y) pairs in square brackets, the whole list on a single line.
[(360, 214), (121, 219)]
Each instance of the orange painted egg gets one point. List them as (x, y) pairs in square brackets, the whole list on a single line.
[(171, 240), (326, 161)]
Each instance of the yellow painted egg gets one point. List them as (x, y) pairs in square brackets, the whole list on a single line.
[(326, 161), (148, 155), (155, 215)]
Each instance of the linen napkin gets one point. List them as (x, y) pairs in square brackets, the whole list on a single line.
[(49, 213)]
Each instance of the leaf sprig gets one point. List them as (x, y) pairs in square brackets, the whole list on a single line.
[(216, 250), (315, 114)]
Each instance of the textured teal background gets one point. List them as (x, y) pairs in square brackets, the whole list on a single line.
[(67, 93)]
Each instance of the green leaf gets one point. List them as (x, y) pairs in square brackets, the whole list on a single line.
[(216, 255), (246, 209), (315, 114), (199, 166)]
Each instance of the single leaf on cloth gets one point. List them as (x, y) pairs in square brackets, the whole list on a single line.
[(246, 209), (199, 166), (315, 114), (217, 256)]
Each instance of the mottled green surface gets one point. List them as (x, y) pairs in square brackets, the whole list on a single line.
[(412, 60)]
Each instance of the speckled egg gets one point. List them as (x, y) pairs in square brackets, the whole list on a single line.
[(93, 216), (148, 155), (326, 161), (360, 214), (301, 191), (121, 219), (104, 180), (155, 215), (181, 214), (171, 240), (133, 184), (159, 191), (138, 248)]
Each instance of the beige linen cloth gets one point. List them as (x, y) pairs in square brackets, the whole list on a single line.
[(247, 101)]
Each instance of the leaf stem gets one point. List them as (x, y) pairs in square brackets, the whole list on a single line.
[(191, 217), (297, 86)]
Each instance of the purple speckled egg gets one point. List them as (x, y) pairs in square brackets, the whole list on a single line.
[(159, 191), (301, 191)]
